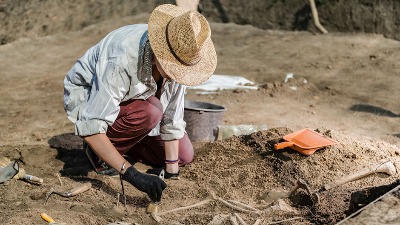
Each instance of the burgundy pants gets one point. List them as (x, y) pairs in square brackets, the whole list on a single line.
[(129, 133)]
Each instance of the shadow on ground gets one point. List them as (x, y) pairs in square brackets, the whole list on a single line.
[(70, 151), (373, 110), (362, 198)]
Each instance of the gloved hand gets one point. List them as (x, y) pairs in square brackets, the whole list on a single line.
[(151, 185), (162, 172)]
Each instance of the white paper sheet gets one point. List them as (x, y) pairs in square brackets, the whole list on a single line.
[(225, 82)]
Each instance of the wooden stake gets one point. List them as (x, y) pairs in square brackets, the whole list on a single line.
[(117, 199), (315, 17), (59, 179)]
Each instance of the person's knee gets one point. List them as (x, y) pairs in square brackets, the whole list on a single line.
[(154, 112), (153, 117), (186, 151), (185, 159), (155, 102)]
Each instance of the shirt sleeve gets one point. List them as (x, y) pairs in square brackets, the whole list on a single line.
[(172, 125), (102, 107)]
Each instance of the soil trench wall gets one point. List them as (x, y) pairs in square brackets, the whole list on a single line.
[(369, 16), (20, 18)]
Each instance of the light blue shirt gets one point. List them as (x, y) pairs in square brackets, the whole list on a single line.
[(110, 73)]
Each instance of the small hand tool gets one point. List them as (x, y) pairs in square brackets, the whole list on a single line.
[(70, 193)]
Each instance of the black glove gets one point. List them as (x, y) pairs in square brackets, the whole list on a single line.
[(162, 172), (151, 185)]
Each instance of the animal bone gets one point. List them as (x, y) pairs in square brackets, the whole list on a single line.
[(381, 167), (156, 217), (286, 220), (243, 205), (241, 221), (258, 221), (233, 220), (186, 207), (152, 208), (237, 207)]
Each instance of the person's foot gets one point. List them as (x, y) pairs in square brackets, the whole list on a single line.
[(99, 165), (163, 174)]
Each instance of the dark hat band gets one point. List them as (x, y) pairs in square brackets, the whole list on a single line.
[(174, 53)]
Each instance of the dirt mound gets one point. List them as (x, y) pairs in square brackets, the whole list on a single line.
[(247, 166)]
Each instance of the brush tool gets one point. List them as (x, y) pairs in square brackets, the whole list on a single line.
[(47, 218), (20, 172)]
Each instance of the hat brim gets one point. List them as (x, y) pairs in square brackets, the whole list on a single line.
[(183, 74)]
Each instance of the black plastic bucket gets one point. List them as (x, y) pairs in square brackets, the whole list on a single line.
[(202, 120)]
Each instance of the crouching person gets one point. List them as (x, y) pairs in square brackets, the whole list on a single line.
[(125, 95)]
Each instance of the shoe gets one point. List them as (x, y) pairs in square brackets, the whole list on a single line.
[(163, 174), (99, 165)]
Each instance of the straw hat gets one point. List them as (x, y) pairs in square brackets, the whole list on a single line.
[(181, 42)]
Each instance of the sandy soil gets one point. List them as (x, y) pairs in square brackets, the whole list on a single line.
[(351, 95)]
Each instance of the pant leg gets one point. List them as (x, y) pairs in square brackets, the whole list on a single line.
[(135, 120), (151, 150)]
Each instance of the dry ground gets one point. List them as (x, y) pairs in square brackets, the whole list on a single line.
[(351, 95)]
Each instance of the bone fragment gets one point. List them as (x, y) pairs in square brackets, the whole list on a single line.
[(243, 205), (186, 207), (236, 207), (152, 208), (156, 217), (233, 220), (286, 220), (239, 218), (258, 221)]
